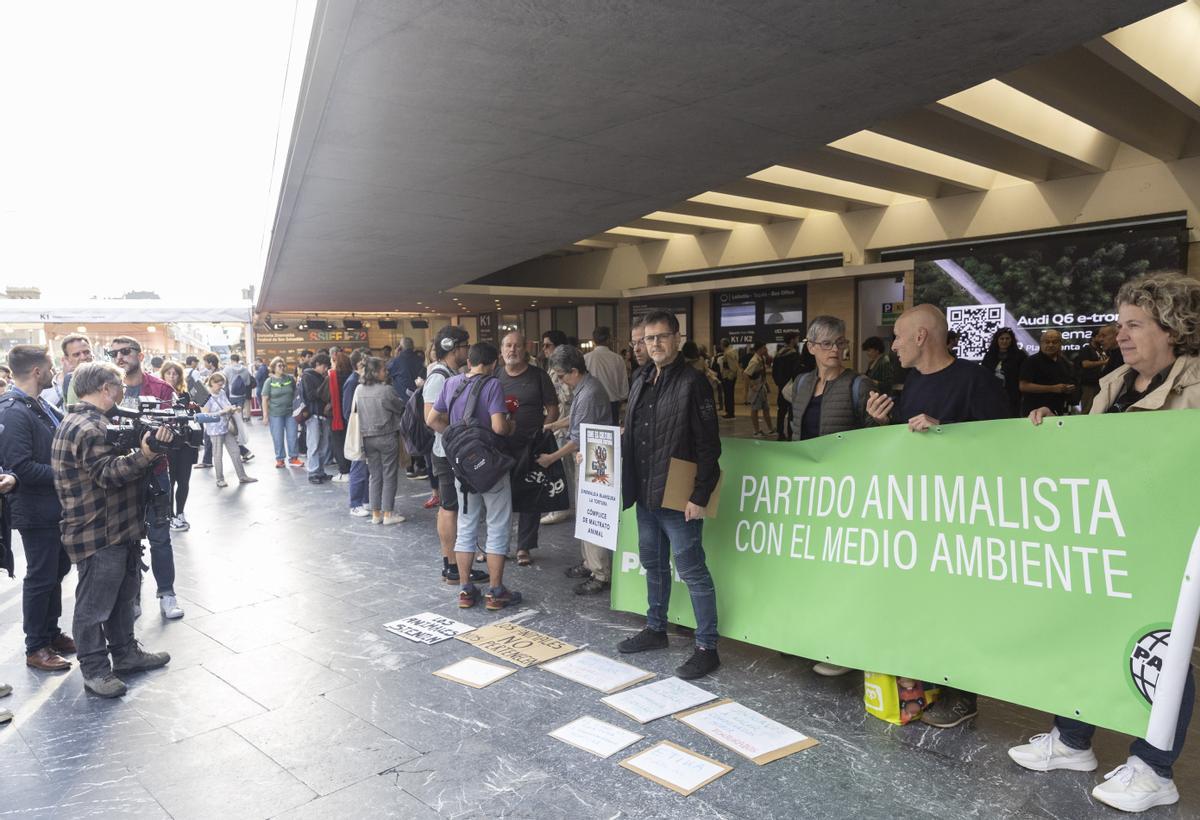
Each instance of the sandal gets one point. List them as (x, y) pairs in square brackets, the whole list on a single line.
[(524, 559)]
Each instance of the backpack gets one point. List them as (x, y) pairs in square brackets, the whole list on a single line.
[(476, 454), (196, 390), (237, 390), (418, 438)]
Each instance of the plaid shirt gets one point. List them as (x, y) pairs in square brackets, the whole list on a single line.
[(99, 488)]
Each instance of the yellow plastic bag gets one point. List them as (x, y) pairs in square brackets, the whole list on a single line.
[(896, 700)]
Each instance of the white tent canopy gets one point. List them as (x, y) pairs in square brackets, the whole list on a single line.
[(120, 310)]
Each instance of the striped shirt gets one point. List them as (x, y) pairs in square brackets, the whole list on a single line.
[(101, 490)]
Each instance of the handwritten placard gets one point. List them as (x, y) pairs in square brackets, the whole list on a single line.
[(427, 628), (745, 731), (658, 699), (474, 673), (679, 769), (595, 736), (517, 644), (598, 672)]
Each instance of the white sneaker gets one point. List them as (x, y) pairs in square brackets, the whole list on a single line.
[(1045, 753), (1134, 786), (830, 670), (180, 524), (359, 512), (170, 607), (556, 517), (341, 478), (392, 518)]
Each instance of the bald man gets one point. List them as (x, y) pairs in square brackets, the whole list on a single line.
[(940, 389)]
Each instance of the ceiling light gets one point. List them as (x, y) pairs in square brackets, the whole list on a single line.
[(686, 219), (808, 181), (748, 204)]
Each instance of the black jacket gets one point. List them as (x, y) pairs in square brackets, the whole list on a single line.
[(6, 553), (25, 450), (315, 389), (1011, 370), (685, 427)]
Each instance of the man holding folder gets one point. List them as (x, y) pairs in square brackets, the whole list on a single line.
[(671, 415)]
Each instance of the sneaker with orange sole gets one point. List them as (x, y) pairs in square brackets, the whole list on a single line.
[(278, 463)]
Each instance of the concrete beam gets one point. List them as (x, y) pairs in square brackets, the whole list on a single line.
[(831, 162), (722, 212), (756, 189), (664, 225)]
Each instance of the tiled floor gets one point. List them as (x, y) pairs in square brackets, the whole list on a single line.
[(286, 698)]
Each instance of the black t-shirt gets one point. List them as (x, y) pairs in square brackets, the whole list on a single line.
[(533, 390), (810, 422), (963, 391), (1088, 375), (1041, 369)]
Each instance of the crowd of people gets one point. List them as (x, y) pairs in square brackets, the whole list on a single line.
[(476, 420)]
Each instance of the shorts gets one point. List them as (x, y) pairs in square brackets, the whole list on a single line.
[(445, 482)]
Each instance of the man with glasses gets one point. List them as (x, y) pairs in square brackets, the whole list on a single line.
[(671, 414), (940, 389), (101, 488), (127, 353)]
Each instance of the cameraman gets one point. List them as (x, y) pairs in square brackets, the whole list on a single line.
[(128, 355), (101, 491), (29, 423)]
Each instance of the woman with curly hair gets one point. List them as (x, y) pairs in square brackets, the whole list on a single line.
[(1158, 332)]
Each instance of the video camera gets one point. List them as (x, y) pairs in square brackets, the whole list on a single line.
[(129, 425)]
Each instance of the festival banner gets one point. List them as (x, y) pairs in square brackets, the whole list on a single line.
[(1056, 567)]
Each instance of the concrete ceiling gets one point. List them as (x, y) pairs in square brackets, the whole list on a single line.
[(439, 141)]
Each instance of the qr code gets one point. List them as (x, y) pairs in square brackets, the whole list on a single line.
[(976, 325)]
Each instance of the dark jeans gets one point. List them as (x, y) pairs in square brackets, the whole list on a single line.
[(108, 586), (158, 526), (727, 387), (359, 484), (783, 419), (661, 534), (46, 564), (338, 442), (528, 525), (181, 475), (1078, 735)]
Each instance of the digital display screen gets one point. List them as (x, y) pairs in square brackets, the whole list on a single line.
[(738, 315)]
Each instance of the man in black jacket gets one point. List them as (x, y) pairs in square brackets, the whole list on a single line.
[(29, 423), (314, 387), (671, 414)]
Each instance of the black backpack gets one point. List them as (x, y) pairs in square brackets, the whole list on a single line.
[(476, 454), (418, 438)]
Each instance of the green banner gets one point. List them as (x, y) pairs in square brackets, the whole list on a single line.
[(1041, 566)]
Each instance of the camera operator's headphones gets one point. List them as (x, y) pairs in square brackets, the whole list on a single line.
[(451, 341), (447, 344)]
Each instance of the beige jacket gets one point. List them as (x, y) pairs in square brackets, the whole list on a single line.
[(1181, 390)]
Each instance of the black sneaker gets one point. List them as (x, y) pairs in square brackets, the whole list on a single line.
[(952, 709), (451, 576), (578, 571), (644, 641), (591, 587), (315, 479), (699, 664), (137, 659)]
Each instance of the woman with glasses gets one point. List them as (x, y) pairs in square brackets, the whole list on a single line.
[(1158, 332)]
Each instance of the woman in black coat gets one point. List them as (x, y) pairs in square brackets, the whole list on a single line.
[(1004, 358)]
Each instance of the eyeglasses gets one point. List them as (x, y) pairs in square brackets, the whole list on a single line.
[(656, 338), (828, 345), (638, 342), (124, 351)]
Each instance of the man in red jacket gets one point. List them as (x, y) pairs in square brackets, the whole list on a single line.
[(127, 353)]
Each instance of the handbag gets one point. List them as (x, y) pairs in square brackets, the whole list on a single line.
[(538, 489), (354, 442)]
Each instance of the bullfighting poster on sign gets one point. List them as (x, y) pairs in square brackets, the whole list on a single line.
[(599, 508)]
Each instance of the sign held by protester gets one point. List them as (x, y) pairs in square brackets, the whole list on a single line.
[(599, 510), (517, 644), (1039, 565)]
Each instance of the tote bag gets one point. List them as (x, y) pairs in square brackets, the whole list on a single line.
[(353, 447)]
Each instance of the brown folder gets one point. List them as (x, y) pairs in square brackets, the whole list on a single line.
[(681, 480)]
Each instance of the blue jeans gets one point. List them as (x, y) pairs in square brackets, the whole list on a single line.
[(317, 428), (494, 507), (283, 428), (1078, 735), (360, 484), (46, 564), (158, 532), (661, 534)]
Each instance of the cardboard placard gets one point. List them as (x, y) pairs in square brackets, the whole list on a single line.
[(474, 673), (658, 699), (681, 480), (740, 729), (680, 770), (427, 628), (595, 736), (600, 673), (517, 644)]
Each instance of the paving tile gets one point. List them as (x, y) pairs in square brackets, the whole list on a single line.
[(190, 702), (276, 676), (219, 774), (323, 745), (378, 796), (246, 628)]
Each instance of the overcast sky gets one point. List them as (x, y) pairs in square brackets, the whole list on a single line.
[(138, 143)]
